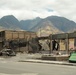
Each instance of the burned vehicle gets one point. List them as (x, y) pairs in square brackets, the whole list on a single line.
[(7, 52)]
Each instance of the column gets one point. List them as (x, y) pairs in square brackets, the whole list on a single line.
[(50, 37), (67, 43)]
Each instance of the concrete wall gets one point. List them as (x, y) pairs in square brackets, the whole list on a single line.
[(19, 35)]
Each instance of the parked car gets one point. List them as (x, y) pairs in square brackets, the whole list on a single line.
[(7, 52), (72, 57)]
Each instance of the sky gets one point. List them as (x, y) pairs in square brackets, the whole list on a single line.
[(29, 9)]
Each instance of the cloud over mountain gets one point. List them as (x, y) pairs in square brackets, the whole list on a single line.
[(28, 9)]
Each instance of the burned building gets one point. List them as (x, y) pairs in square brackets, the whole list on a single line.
[(66, 41), (10, 35)]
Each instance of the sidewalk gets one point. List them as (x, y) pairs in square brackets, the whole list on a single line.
[(48, 62), (34, 58)]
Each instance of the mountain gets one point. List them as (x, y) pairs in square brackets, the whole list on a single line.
[(29, 24), (55, 22), (60, 23), (53, 25), (46, 26), (10, 22)]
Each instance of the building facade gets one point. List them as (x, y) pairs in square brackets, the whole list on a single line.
[(9, 35)]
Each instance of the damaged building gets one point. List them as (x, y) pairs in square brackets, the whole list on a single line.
[(8, 36)]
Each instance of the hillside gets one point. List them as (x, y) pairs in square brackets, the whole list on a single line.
[(10, 22), (60, 23), (46, 26), (29, 24)]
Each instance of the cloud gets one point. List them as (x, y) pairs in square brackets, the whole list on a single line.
[(28, 9), (65, 8)]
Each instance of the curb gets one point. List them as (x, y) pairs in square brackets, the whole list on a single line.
[(49, 62)]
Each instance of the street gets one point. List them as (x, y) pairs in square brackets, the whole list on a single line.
[(28, 68)]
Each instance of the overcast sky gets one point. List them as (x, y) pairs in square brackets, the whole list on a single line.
[(28, 9)]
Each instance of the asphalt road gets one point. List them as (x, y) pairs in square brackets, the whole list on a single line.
[(27, 68)]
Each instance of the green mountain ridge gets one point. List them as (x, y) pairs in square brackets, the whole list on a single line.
[(29, 24), (9, 22), (51, 23)]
